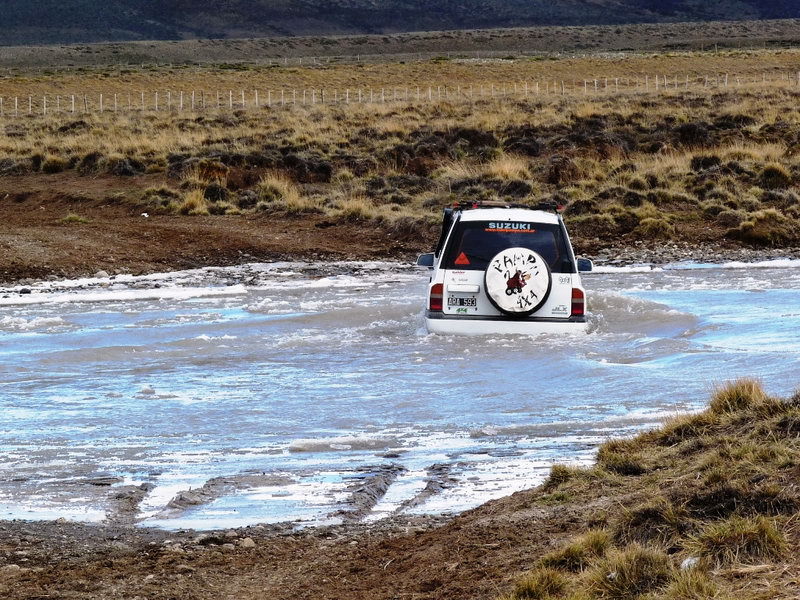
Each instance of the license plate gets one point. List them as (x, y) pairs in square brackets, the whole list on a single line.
[(454, 301)]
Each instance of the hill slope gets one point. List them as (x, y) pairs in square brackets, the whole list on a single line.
[(69, 21)]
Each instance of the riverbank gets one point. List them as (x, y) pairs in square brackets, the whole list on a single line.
[(73, 226), (704, 507)]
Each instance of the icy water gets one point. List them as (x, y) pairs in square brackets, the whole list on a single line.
[(272, 393)]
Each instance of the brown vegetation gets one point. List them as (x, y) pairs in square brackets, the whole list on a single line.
[(707, 164)]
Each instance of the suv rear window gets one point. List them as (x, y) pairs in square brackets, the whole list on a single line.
[(474, 243)]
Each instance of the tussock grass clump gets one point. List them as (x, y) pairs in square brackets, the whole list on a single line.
[(539, 584), (657, 521), (775, 176), (560, 474), (276, 187), (690, 584), (355, 208), (73, 219), (508, 167), (655, 228), (630, 573), (194, 203), (54, 164), (737, 396), (768, 227), (579, 554), (719, 488), (739, 540)]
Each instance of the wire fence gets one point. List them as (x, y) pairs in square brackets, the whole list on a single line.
[(244, 99)]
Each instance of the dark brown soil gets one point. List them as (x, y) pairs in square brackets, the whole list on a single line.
[(36, 242), (472, 556)]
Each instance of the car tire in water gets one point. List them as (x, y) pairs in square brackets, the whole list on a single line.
[(517, 281)]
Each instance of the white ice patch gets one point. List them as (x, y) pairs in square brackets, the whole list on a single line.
[(124, 295), (18, 324)]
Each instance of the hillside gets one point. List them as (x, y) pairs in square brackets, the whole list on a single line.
[(76, 21)]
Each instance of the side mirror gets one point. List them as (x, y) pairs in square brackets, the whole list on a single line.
[(425, 260), (585, 265)]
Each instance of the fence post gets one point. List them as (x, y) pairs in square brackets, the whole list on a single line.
[(85, 104), (30, 105), (256, 94), (16, 106), (283, 97), (230, 99), (193, 99), (244, 103), (58, 104), (1, 106), (142, 101), (156, 102), (115, 103), (44, 105)]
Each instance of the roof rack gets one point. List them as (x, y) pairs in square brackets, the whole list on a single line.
[(546, 205)]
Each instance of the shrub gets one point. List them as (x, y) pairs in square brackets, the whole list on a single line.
[(631, 572), (739, 539)]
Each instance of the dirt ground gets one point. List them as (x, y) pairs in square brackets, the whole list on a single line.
[(475, 555), (36, 242)]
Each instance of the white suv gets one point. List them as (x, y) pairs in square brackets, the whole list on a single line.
[(504, 269)]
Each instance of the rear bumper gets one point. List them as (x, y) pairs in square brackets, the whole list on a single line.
[(458, 325)]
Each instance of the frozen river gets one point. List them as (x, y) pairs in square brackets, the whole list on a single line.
[(301, 392)]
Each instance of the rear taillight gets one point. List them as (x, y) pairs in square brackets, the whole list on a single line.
[(578, 303), (437, 293)]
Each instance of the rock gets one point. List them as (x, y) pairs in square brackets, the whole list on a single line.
[(227, 547), (147, 391), (25, 291), (690, 563), (247, 543), (184, 569), (101, 274), (8, 571)]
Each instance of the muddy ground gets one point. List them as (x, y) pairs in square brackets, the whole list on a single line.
[(116, 237), (475, 555)]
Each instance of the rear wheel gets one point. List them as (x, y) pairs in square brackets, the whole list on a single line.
[(517, 281)]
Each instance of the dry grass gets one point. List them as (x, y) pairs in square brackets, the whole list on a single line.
[(718, 498), (630, 166)]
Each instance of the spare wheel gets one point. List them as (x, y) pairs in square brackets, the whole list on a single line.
[(517, 281)]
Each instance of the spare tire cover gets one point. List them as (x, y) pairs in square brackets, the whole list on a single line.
[(517, 281)]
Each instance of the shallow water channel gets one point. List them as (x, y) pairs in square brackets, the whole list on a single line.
[(301, 392)]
